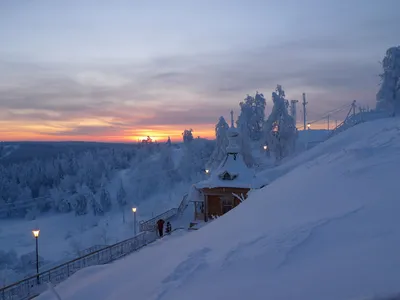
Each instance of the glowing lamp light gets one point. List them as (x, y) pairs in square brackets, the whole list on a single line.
[(134, 209), (308, 125), (265, 147), (207, 171), (36, 233)]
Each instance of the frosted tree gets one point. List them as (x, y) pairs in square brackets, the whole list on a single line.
[(169, 143), (60, 200), (79, 204), (388, 97), (92, 202), (280, 128), (252, 115), (103, 195), (168, 171), (279, 90), (187, 135), (221, 129), (105, 199), (194, 158), (245, 148), (121, 199)]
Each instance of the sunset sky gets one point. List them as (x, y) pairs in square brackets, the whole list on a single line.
[(122, 70)]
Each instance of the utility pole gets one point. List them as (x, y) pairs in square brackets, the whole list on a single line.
[(328, 122), (304, 110), (353, 105), (293, 111)]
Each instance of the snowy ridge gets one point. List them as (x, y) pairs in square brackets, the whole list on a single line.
[(333, 234)]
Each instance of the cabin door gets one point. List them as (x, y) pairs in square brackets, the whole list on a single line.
[(227, 203)]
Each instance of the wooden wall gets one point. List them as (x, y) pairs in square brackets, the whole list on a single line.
[(214, 199)]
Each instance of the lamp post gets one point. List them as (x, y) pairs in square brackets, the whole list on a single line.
[(134, 220), (36, 235), (265, 147)]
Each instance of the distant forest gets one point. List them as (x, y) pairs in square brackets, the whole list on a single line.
[(65, 177)]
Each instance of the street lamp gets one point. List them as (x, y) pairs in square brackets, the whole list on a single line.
[(134, 219), (265, 147), (207, 171), (36, 235), (308, 125)]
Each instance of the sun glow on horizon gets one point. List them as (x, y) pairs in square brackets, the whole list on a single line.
[(66, 131)]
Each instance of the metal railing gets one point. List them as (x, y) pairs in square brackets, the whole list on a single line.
[(182, 205), (33, 286), (150, 225)]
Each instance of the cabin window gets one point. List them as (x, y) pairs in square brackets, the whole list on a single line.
[(227, 176)]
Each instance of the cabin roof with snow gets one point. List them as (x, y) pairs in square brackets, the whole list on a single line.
[(232, 171)]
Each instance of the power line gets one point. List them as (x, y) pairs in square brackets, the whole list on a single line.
[(336, 110)]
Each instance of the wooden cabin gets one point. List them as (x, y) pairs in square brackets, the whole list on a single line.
[(219, 193), (218, 201)]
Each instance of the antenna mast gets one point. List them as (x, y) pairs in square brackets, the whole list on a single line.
[(304, 110)]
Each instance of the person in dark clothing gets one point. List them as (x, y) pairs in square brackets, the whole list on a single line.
[(169, 228), (160, 226)]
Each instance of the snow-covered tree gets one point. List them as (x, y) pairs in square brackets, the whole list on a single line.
[(252, 115), (103, 194), (187, 135), (168, 171), (194, 158), (245, 148), (121, 199), (388, 97), (105, 199), (169, 143), (79, 204), (221, 129), (280, 128), (60, 200), (92, 201)]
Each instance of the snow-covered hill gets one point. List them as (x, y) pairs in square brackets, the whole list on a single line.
[(327, 229)]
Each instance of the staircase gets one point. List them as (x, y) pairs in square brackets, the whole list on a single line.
[(32, 286), (150, 225)]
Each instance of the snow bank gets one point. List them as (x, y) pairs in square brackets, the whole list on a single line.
[(329, 229)]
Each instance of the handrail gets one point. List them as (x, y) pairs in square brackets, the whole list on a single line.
[(27, 288), (149, 225), (41, 274), (183, 204)]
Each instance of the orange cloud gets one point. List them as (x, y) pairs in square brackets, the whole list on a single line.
[(92, 131), (98, 132)]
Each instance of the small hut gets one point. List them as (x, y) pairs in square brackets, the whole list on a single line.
[(227, 186)]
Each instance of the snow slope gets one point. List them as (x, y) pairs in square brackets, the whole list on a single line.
[(328, 229)]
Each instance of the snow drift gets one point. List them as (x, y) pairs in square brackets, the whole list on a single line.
[(329, 229)]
